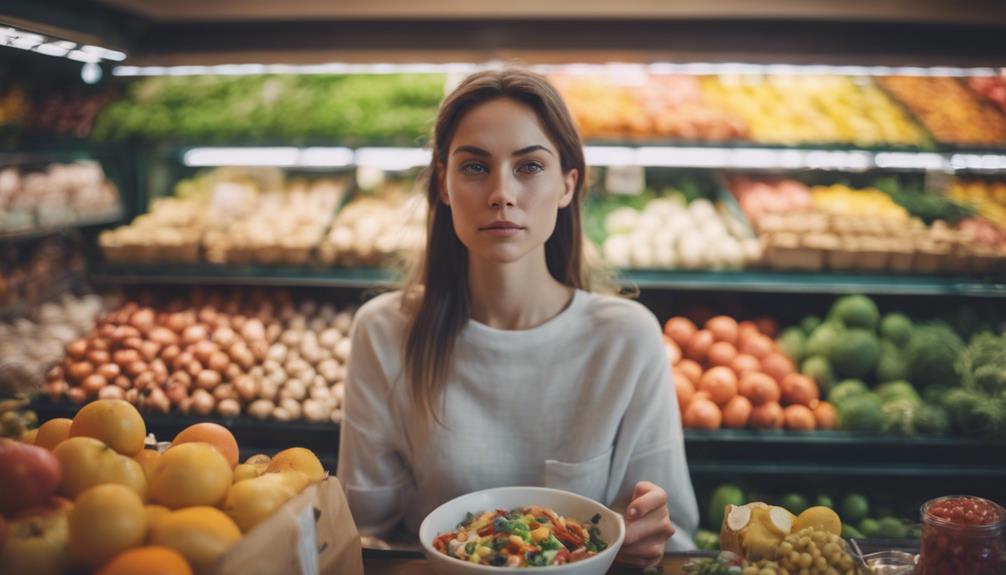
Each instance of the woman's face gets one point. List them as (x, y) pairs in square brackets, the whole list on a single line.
[(504, 181)]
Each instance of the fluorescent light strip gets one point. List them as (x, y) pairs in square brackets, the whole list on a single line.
[(393, 159), (284, 157), (22, 40)]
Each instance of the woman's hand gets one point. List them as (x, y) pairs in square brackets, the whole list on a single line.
[(647, 527)]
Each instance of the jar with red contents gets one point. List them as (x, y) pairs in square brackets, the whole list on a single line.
[(963, 535)]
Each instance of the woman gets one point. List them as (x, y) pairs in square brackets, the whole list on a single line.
[(496, 365)]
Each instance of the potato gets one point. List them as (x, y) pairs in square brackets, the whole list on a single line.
[(261, 408)]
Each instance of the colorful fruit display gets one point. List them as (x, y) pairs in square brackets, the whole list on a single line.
[(640, 106), (992, 88), (840, 228), (377, 228), (259, 354), (235, 216), (55, 194), (733, 375), (667, 232), (987, 196), (800, 109), (950, 112), (28, 345), (94, 499)]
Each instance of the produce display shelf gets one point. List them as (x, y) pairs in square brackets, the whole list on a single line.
[(727, 281), (244, 275), (928, 471), (835, 438), (54, 290), (112, 217)]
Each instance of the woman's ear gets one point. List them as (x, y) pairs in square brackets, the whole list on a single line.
[(569, 184), (441, 176)]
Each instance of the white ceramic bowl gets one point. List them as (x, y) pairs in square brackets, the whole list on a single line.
[(445, 518)]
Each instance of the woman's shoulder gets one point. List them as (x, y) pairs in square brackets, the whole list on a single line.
[(619, 316), (382, 314)]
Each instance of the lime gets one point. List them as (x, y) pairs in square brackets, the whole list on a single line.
[(855, 508), (850, 532), (869, 527), (726, 494), (891, 528), (824, 501), (794, 502)]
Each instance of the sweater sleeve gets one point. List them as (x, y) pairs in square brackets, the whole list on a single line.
[(372, 470), (650, 443)]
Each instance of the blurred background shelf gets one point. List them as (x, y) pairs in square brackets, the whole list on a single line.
[(245, 275)]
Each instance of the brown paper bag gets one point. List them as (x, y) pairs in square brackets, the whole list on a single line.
[(313, 534)]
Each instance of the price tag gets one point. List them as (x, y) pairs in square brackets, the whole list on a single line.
[(625, 180)]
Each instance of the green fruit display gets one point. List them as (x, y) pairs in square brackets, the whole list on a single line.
[(855, 508), (856, 311), (726, 494), (792, 342), (933, 354), (809, 324), (869, 527), (900, 416), (891, 528), (855, 353), (892, 365), (823, 338), (794, 503), (824, 501), (850, 532), (846, 389), (895, 390), (707, 540), (932, 419), (896, 328), (861, 413), (818, 368)]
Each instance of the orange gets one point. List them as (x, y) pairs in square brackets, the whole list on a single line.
[(28, 436), (114, 421), (252, 501), (200, 534), (148, 561), (87, 462), (190, 474), (216, 435), (53, 432), (298, 459), (105, 521), (147, 458)]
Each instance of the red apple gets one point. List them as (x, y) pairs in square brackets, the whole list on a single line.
[(29, 476)]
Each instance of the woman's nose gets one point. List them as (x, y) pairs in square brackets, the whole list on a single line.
[(503, 191)]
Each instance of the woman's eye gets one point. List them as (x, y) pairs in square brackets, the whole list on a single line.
[(473, 168), (532, 168)]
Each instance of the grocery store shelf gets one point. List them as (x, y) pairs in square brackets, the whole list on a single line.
[(834, 438), (42, 231), (246, 275), (929, 470), (54, 290), (815, 282)]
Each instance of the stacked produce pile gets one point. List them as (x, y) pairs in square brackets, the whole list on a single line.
[(233, 216), (258, 354), (646, 106), (888, 374), (992, 88), (30, 271), (733, 375), (860, 517), (58, 194), (950, 112), (293, 108), (89, 497), (668, 233), (988, 197), (813, 109), (841, 228), (29, 344), (376, 228), (768, 540)]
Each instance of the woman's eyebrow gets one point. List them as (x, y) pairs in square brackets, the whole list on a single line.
[(476, 151)]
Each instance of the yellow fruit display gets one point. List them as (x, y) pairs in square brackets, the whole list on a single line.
[(252, 501), (155, 512), (147, 458), (252, 467), (87, 462), (190, 474), (115, 422), (148, 561), (298, 459), (754, 530), (105, 521), (842, 200), (200, 534), (819, 518), (53, 432), (37, 543), (988, 197)]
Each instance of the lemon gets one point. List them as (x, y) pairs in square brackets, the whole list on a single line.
[(819, 518)]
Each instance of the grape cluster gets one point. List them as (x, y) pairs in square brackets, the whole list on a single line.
[(807, 552)]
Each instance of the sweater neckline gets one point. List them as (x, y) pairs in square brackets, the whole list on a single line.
[(477, 332)]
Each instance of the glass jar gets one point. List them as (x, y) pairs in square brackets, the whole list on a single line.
[(963, 535)]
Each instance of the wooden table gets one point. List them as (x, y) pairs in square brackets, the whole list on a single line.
[(375, 564)]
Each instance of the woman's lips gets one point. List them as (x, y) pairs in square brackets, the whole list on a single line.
[(501, 229)]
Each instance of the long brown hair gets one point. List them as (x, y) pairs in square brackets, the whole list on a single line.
[(436, 297)]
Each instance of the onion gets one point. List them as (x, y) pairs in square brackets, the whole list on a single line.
[(242, 356), (207, 379), (98, 357), (246, 388), (185, 406), (160, 370), (111, 392), (79, 371), (100, 344), (150, 349), (329, 338), (135, 368), (135, 343), (124, 332), (319, 392), (77, 349), (194, 334), (109, 371), (295, 389), (233, 372), (143, 319), (315, 411), (76, 395), (224, 391), (55, 373), (224, 337), (281, 414), (133, 396), (261, 408), (342, 349), (163, 336), (177, 322), (203, 350), (194, 368), (180, 379), (268, 390), (123, 382), (106, 331), (93, 383), (238, 321), (259, 349), (124, 357), (272, 332), (182, 361), (343, 321), (203, 402), (292, 406), (176, 393), (277, 353), (229, 408), (218, 361), (207, 314), (56, 389), (169, 353), (157, 401), (145, 380)]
